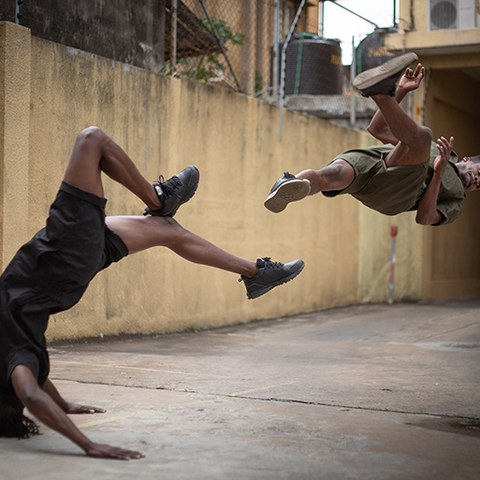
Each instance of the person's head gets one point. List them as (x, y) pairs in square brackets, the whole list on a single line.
[(13, 423), (469, 170)]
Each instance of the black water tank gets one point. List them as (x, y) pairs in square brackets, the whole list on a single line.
[(313, 66), (371, 51)]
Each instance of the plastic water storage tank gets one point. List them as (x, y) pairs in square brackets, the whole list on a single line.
[(313, 66), (371, 50)]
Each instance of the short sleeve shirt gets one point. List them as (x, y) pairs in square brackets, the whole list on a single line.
[(393, 190)]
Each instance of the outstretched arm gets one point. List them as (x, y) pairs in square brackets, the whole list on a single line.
[(43, 407), (409, 81), (427, 212)]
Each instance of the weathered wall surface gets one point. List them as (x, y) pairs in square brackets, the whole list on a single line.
[(452, 257), (165, 124), (451, 103)]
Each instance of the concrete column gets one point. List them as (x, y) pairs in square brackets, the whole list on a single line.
[(15, 59)]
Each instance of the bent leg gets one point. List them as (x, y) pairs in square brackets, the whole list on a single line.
[(94, 152), (290, 188), (414, 143), (141, 233), (338, 175)]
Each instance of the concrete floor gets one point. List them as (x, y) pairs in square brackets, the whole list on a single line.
[(364, 392)]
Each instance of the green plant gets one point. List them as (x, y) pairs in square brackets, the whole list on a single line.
[(212, 65), (258, 87)]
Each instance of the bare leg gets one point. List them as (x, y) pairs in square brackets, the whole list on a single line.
[(141, 233), (95, 152), (410, 80), (414, 141), (336, 176), (290, 188), (413, 147)]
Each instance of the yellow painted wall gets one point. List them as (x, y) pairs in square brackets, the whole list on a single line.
[(450, 103), (14, 139), (165, 124), (453, 109)]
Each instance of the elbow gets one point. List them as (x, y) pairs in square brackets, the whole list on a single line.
[(424, 219), (421, 221), (30, 399)]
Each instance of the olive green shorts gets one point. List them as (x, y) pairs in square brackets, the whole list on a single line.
[(388, 190)]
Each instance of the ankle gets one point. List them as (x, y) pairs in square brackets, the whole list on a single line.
[(154, 201), (250, 270)]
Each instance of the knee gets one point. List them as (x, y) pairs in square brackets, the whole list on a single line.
[(172, 232), (91, 135), (178, 234), (336, 176), (424, 137), (336, 171)]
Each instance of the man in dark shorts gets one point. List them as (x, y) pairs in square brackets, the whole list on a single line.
[(51, 272), (408, 172)]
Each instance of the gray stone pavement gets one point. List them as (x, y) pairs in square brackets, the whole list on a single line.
[(363, 392)]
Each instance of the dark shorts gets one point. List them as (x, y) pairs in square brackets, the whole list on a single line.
[(50, 274), (388, 190), (62, 258)]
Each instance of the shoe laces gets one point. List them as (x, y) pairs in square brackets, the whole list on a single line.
[(169, 186), (269, 265)]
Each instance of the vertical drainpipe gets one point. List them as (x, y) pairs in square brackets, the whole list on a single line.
[(321, 13), (161, 34), (353, 72), (276, 37), (284, 61), (18, 15), (174, 43)]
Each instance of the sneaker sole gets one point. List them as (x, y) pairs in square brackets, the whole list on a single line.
[(375, 75), (284, 280), (291, 191)]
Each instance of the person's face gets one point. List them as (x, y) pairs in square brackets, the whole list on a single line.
[(470, 174)]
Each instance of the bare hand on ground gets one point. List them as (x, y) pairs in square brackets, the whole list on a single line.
[(98, 450), (75, 408)]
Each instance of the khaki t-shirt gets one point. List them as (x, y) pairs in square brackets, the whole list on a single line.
[(393, 190)]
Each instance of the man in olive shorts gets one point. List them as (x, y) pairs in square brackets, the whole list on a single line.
[(408, 172), (51, 272)]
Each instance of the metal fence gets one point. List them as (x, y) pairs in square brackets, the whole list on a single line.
[(244, 33), (254, 39), (262, 49)]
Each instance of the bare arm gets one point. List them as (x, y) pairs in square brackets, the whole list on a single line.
[(43, 407), (410, 81), (68, 407), (427, 212)]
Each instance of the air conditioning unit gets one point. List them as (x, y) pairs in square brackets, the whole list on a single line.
[(453, 14)]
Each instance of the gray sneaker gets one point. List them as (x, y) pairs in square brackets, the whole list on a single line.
[(287, 189), (175, 191), (269, 275), (383, 79)]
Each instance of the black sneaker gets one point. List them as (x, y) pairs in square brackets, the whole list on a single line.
[(269, 275), (383, 79), (285, 190), (175, 191)]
